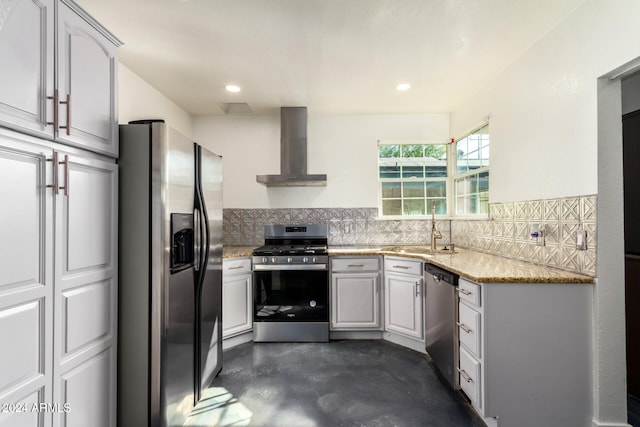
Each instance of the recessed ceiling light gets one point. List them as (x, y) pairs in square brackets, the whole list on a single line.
[(232, 88), (401, 87)]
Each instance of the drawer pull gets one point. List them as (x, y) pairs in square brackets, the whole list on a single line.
[(464, 291), (464, 327), (355, 265), (404, 267), (237, 267), (465, 376)]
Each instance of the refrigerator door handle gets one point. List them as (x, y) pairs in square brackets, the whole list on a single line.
[(197, 242)]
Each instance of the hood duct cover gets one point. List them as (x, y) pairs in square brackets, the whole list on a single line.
[(293, 153)]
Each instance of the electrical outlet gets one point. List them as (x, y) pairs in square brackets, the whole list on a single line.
[(581, 240)]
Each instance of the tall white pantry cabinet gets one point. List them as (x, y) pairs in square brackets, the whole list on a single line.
[(58, 218)]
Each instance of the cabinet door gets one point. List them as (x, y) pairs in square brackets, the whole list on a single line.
[(237, 310), (403, 305), (87, 74), (86, 286), (355, 301), (26, 280), (26, 49)]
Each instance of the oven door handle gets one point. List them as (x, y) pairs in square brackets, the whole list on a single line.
[(289, 267)]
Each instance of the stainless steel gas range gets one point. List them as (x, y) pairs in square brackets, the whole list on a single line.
[(291, 285)]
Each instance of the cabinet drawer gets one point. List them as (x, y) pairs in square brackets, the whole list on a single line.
[(469, 292), (355, 264), (403, 266), (469, 371), (469, 328), (232, 267)]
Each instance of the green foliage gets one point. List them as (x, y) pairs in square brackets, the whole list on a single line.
[(433, 151)]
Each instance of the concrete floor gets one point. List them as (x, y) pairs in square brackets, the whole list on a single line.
[(341, 383)]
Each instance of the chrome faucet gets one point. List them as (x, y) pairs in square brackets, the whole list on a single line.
[(435, 233)]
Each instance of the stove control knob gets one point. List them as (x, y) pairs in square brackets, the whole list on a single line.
[(305, 259), (289, 259), (314, 260), (265, 260), (273, 259)]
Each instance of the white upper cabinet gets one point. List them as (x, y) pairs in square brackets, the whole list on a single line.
[(79, 106), (87, 78), (26, 49)]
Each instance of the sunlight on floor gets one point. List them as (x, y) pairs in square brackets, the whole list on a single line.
[(219, 408)]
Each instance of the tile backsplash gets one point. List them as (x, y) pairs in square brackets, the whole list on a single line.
[(506, 233), (347, 226)]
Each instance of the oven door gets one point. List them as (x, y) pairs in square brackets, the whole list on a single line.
[(291, 294)]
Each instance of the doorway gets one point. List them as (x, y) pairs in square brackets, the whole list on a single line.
[(631, 176)]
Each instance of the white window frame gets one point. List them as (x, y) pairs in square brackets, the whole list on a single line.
[(455, 177), (448, 182)]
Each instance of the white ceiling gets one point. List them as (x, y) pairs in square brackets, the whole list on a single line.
[(333, 56)]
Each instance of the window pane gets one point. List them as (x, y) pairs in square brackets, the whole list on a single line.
[(389, 172), (391, 207), (472, 204), (413, 189), (436, 152), (440, 204), (414, 207), (386, 151), (436, 172), (413, 150), (413, 172), (483, 182), (461, 187), (436, 189), (391, 190)]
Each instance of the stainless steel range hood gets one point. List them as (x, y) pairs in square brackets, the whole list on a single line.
[(293, 153)]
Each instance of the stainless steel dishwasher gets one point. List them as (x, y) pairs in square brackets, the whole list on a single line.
[(441, 316)]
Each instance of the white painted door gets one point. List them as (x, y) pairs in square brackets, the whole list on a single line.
[(355, 301), (26, 49), (26, 281), (87, 82), (86, 285), (403, 305)]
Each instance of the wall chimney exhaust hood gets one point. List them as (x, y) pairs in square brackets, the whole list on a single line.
[(293, 153)]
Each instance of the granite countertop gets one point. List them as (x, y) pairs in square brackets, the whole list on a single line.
[(477, 266), (237, 251)]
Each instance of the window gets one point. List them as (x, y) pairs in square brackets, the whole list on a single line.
[(471, 180), (413, 178)]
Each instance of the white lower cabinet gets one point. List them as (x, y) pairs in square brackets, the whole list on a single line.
[(61, 322), (355, 293), (525, 352), (403, 279), (237, 300)]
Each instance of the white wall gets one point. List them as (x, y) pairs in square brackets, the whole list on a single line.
[(547, 141), (342, 146), (139, 100), (543, 107)]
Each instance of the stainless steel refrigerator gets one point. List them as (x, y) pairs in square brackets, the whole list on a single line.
[(170, 263)]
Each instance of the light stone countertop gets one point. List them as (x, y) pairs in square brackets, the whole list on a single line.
[(476, 266)]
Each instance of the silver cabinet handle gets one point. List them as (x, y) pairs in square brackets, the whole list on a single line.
[(464, 375), (54, 160), (464, 327), (66, 175), (355, 265), (418, 286), (464, 291), (54, 98), (68, 104), (237, 267), (404, 267)]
